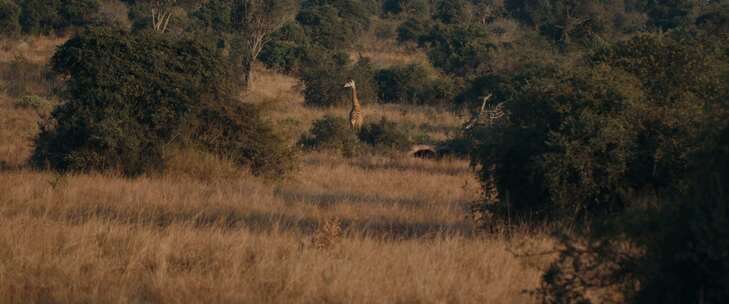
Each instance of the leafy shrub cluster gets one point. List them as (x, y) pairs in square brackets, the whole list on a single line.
[(385, 135), (50, 16), (413, 84), (324, 77), (334, 133), (287, 50), (33, 102), (9, 18), (673, 253), (131, 96), (634, 138), (598, 134)]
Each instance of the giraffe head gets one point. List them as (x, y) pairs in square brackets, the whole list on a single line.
[(350, 84)]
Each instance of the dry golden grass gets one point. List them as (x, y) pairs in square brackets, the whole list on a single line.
[(373, 229), (281, 97), (96, 238), (17, 128), (36, 49)]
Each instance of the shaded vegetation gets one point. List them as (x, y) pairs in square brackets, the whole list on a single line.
[(129, 97)]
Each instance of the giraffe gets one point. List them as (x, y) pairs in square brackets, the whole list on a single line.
[(355, 116)]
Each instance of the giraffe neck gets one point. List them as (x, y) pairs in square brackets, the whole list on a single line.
[(355, 100)]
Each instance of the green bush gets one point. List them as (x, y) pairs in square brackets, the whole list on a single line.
[(460, 50), (663, 250), (287, 49), (32, 102), (580, 142), (413, 84), (78, 12), (420, 8), (49, 16), (332, 133), (324, 75), (452, 11), (129, 96), (385, 135), (564, 151), (9, 18), (39, 16), (413, 29)]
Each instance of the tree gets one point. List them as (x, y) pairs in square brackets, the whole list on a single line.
[(161, 13), (453, 11), (39, 16), (562, 19), (9, 18), (667, 14), (254, 22), (129, 97)]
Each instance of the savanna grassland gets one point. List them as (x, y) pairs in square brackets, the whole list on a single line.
[(365, 229)]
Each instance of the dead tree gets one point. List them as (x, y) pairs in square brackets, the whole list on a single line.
[(255, 21), (161, 14)]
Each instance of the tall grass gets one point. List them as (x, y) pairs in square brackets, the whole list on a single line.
[(374, 229)]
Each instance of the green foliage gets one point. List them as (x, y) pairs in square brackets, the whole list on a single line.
[(324, 75), (666, 14), (683, 134), (663, 250), (564, 20), (332, 133), (459, 50), (9, 18), (682, 80), (419, 8), (385, 135), (32, 102), (287, 50), (78, 12), (39, 16), (215, 15), (333, 24), (562, 151), (413, 29), (48, 16), (578, 143), (452, 11), (129, 96), (413, 84)]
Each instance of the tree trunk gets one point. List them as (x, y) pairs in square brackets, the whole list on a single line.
[(247, 74)]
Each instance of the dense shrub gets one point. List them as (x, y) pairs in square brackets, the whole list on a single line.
[(413, 29), (583, 141), (48, 16), (287, 49), (332, 133), (9, 18), (682, 258), (129, 96), (39, 16), (452, 11), (460, 50), (385, 135), (33, 102), (334, 24), (413, 84), (324, 75)]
